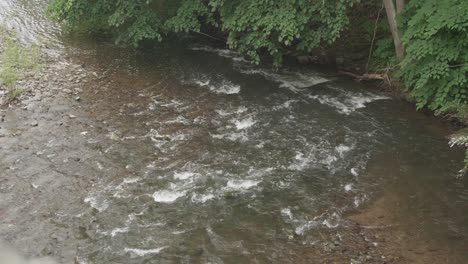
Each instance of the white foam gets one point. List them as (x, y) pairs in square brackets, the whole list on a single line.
[(260, 145), (287, 212), (329, 159), (202, 198), (348, 187), (286, 104), (342, 149), (244, 123), (223, 113), (202, 83), (184, 175), (178, 120), (143, 252), (241, 184), (173, 103), (234, 136), (301, 162), (357, 201), (235, 56), (240, 110), (329, 225), (120, 188), (300, 230), (354, 172), (131, 180), (225, 87), (360, 101), (116, 231), (167, 196), (293, 81), (97, 202), (349, 103)]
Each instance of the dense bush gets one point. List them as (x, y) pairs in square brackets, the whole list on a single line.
[(435, 67), (251, 26), (254, 26)]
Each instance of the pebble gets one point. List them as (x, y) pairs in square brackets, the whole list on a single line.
[(59, 237), (68, 91), (34, 123)]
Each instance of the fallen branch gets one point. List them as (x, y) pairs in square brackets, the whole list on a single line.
[(208, 36), (365, 76), (379, 227)]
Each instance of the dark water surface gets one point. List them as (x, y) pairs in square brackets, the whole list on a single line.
[(225, 162)]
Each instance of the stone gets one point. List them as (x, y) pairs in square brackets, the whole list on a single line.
[(34, 123), (340, 60)]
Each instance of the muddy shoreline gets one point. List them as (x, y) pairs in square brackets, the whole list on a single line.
[(42, 155), (382, 223)]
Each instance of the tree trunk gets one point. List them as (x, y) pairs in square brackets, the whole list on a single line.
[(400, 4), (391, 16)]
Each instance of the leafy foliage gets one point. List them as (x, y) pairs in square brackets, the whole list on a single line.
[(435, 67), (132, 21), (252, 26)]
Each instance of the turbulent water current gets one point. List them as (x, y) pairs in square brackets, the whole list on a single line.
[(208, 158)]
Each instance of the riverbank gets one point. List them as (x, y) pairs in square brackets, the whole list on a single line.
[(41, 152)]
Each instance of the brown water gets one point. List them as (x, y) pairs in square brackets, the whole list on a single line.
[(206, 158)]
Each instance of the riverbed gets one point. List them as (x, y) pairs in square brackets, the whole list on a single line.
[(186, 153)]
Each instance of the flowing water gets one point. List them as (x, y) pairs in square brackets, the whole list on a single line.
[(210, 159)]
